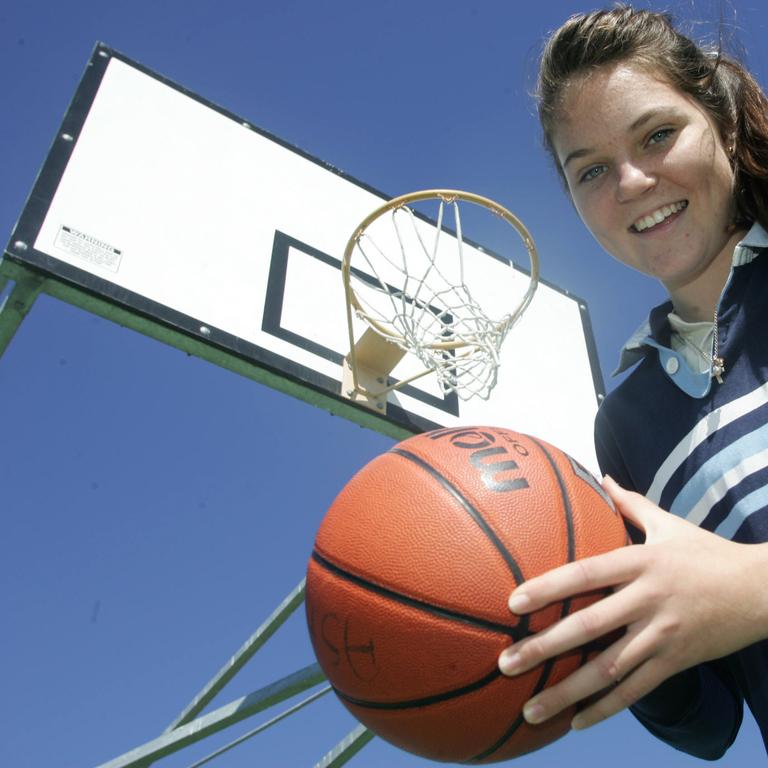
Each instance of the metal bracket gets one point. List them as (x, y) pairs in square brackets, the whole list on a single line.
[(365, 370)]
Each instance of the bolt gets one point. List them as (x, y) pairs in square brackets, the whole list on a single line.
[(20, 246), (67, 137), (205, 330)]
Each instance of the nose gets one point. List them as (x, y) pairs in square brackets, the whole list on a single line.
[(633, 181)]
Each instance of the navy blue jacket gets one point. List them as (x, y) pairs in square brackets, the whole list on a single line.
[(699, 449)]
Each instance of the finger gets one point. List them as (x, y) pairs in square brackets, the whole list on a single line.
[(592, 573), (646, 678), (615, 670), (633, 506), (574, 631)]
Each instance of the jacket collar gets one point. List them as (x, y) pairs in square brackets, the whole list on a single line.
[(655, 329)]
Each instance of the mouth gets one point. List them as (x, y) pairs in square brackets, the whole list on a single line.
[(659, 216)]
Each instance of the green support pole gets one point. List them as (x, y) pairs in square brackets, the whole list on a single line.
[(185, 730), (241, 657), (16, 306), (347, 748), (220, 719)]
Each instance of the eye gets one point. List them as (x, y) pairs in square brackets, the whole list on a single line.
[(592, 173), (661, 135)]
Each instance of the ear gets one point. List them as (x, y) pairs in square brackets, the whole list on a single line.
[(729, 144)]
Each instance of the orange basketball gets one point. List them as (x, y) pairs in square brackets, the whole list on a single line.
[(408, 583)]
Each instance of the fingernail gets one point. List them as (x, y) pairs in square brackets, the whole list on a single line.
[(578, 723), (533, 712), (509, 662), (519, 603)]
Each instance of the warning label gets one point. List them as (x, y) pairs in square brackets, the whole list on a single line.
[(89, 248)]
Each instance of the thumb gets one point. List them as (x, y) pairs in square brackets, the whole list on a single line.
[(638, 510)]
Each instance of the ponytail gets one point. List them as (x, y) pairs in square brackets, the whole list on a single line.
[(748, 143)]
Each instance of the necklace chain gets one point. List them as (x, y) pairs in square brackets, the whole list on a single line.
[(716, 363)]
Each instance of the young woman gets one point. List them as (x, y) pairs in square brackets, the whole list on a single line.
[(663, 147)]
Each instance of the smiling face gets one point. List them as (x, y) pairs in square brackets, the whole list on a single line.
[(650, 178)]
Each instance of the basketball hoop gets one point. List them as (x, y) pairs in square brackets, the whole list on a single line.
[(408, 285)]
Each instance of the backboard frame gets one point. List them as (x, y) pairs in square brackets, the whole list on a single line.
[(27, 266)]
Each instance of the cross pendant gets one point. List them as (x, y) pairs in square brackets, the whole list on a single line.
[(718, 369)]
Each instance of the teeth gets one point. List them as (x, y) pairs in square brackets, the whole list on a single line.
[(652, 219)]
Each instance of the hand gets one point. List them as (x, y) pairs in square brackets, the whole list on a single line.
[(685, 596)]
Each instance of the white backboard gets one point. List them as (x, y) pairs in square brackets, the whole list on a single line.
[(178, 210)]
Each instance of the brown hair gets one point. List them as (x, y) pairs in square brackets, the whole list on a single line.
[(719, 83)]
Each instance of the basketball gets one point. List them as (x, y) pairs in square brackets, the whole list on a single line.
[(408, 582)]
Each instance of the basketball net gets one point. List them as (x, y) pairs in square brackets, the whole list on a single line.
[(407, 283)]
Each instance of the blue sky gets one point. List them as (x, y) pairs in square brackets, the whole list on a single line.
[(157, 508)]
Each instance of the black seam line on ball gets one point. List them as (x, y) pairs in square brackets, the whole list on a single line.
[(519, 720), (426, 701), (508, 734), (443, 613), (565, 608), (566, 501), (469, 508), (522, 628), (564, 611)]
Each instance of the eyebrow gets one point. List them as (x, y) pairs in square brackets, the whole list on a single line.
[(644, 118)]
